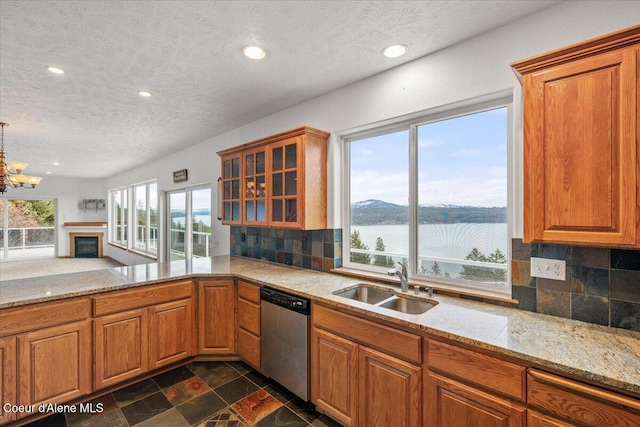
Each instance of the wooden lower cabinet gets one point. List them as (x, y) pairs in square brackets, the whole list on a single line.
[(249, 332), (121, 347), (536, 419), (216, 317), (54, 363), (453, 404), (171, 336), (389, 390), (334, 376), (359, 386), (7, 376), (578, 403)]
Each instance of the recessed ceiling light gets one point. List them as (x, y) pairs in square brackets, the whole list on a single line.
[(395, 50), (56, 163), (253, 52), (144, 93), (55, 70), (48, 172)]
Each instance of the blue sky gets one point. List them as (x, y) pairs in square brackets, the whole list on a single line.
[(461, 161)]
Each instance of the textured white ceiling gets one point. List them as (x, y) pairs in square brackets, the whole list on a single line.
[(187, 53)]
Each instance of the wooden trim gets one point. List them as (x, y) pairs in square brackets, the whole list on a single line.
[(275, 138), (72, 243), (486, 371), (85, 224), (625, 37), (592, 392), (116, 301), (392, 341), (43, 315)]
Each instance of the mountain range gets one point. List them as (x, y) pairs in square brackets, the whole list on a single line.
[(378, 212)]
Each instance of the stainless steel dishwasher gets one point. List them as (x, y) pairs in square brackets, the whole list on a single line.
[(285, 340)]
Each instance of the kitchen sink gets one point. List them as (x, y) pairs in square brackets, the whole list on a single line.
[(366, 293), (386, 298), (409, 306)]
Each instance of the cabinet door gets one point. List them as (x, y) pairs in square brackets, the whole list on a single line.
[(231, 198), (216, 317), (285, 179), (121, 346), (452, 404), (334, 376), (55, 363), (580, 169), (7, 376), (536, 419), (255, 187), (170, 332), (389, 391)]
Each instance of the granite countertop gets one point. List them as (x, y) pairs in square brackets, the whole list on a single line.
[(605, 355)]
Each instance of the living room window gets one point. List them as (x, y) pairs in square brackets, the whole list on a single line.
[(142, 236), (118, 216), (431, 192)]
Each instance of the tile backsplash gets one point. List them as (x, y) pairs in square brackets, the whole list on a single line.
[(602, 285), (319, 250)]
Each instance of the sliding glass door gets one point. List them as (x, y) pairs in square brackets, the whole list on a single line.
[(189, 213), (27, 229)]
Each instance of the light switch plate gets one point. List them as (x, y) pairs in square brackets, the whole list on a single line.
[(546, 268)]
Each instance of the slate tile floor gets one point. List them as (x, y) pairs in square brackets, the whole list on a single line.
[(202, 394)]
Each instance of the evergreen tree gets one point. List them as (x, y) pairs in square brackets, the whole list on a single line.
[(435, 270), (42, 210), (356, 243), (484, 274), (382, 260)]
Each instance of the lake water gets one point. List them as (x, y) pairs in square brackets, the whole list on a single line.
[(438, 240)]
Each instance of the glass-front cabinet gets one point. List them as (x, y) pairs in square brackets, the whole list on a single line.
[(231, 189), (283, 181), (255, 187)]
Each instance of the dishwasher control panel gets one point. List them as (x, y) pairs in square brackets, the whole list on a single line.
[(286, 300)]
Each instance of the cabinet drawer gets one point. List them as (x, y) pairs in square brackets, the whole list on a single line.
[(249, 347), (391, 341), (249, 291), (116, 301), (581, 403), (249, 316), (38, 316), (495, 374)]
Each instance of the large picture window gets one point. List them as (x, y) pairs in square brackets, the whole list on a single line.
[(431, 193)]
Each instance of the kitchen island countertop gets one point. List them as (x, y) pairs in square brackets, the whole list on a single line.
[(609, 356)]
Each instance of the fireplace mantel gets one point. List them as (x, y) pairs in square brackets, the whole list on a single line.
[(86, 224)]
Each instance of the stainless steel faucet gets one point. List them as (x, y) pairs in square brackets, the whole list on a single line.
[(402, 274)]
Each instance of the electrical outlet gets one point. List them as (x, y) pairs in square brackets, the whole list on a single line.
[(554, 269)]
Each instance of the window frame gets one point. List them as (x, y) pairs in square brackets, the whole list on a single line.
[(412, 122), (129, 219)]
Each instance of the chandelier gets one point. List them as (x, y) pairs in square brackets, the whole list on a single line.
[(11, 173)]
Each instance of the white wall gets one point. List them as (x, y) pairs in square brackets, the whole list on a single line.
[(467, 70)]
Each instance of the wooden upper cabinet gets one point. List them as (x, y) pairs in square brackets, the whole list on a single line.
[(231, 189), (581, 113), (280, 181)]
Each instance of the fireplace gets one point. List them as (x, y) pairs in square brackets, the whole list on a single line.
[(85, 245)]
